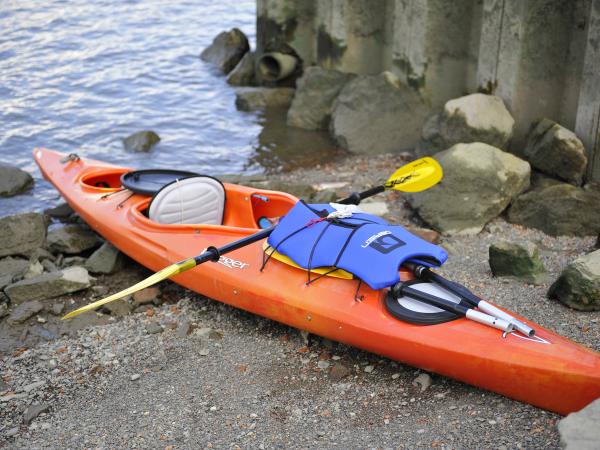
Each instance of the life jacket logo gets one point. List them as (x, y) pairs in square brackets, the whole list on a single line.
[(384, 242)]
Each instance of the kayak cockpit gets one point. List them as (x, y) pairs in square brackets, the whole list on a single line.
[(243, 207)]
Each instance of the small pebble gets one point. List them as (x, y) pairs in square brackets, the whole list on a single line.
[(135, 376), (204, 352), (369, 368)]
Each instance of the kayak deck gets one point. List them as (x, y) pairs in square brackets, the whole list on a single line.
[(548, 371)]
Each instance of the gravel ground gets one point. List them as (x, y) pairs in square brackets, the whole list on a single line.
[(240, 381)]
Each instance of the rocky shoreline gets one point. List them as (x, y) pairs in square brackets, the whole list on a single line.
[(169, 368), (144, 360)]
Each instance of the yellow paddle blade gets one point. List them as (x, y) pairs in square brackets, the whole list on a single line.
[(416, 176), (165, 273)]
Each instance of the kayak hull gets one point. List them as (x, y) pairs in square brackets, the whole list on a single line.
[(550, 371)]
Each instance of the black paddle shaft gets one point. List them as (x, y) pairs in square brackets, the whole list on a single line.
[(423, 272), (214, 253), (356, 197), (400, 289)]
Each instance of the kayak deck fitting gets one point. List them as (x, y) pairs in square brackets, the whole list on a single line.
[(548, 371)]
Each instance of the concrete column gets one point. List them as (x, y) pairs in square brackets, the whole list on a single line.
[(523, 49), (587, 121), (432, 46), (350, 35), (287, 21)]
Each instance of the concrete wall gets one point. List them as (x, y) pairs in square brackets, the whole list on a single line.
[(541, 56)]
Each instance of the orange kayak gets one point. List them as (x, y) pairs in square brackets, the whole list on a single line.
[(547, 371)]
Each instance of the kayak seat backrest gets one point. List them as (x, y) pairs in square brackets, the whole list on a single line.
[(195, 200)]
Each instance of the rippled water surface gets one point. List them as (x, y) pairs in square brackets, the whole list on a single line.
[(78, 76)]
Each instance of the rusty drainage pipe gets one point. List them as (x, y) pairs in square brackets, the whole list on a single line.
[(276, 66)]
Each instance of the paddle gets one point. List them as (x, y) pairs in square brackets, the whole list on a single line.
[(402, 289), (413, 177), (466, 295)]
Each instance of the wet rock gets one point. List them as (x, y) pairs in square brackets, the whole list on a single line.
[(424, 233), (21, 233), (244, 72), (517, 260), (62, 211), (35, 269), (561, 209), (580, 430), (153, 328), (253, 98), (472, 118), (184, 329), (33, 411), (374, 207), (12, 432), (393, 111), (208, 333), (49, 285), (338, 372), (24, 311), (13, 267), (13, 180), (556, 151), (142, 141), (57, 308), (72, 239), (324, 196), (579, 284), (41, 254), (49, 266), (300, 190), (315, 94), (106, 259), (479, 183), (70, 261), (423, 380), (118, 308), (145, 296), (226, 50), (3, 309)]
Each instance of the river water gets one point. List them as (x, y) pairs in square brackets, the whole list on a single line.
[(80, 75)]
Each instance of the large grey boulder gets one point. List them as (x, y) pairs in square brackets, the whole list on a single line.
[(377, 114), (253, 98), (479, 183), (142, 141), (581, 430), (559, 209), (244, 74), (519, 260), (556, 151), (226, 50), (472, 118), (13, 180), (48, 285), (21, 233), (315, 94), (72, 239), (579, 284), (106, 259)]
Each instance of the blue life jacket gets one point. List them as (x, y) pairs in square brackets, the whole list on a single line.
[(363, 244)]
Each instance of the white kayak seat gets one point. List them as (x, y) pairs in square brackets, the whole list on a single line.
[(191, 200)]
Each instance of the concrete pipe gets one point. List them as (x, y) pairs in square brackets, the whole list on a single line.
[(276, 66)]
